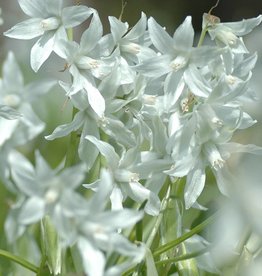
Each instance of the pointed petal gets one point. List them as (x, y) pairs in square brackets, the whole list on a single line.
[(95, 98), (236, 147), (118, 28), (116, 199), (36, 89), (106, 150), (196, 83), (72, 177), (27, 29), (87, 151), (42, 50), (104, 189), (155, 66), (195, 183), (36, 8), (92, 35), (66, 129), (12, 75), (184, 35), (32, 211), (75, 15), (93, 259), (120, 218), (245, 26), (138, 30), (54, 7), (23, 174), (160, 38)]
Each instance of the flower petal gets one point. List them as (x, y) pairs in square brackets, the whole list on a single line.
[(95, 98), (106, 150), (160, 38), (195, 183), (42, 50), (32, 211), (92, 35), (36, 8), (184, 35), (73, 16), (27, 29), (93, 259), (66, 129)]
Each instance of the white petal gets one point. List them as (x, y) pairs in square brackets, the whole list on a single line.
[(66, 129), (27, 29), (42, 50), (32, 211), (92, 35), (184, 35), (160, 38), (118, 28), (95, 98), (106, 150), (195, 183), (93, 258), (73, 16), (35, 8)]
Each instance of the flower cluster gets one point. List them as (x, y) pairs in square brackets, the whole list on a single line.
[(147, 107)]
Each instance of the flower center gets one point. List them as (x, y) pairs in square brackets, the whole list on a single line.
[(227, 37), (51, 196), (213, 156), (51, 23), (131, 48), (178, 63), (231, 80), (87, 63), (12, 100)]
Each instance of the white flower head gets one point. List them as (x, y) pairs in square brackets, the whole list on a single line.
[(48, 20)]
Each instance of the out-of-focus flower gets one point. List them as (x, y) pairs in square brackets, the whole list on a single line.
[(16, 101), (1, 19)]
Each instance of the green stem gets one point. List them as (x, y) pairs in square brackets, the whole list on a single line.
[(19, 260), (183, 257), (243, 241), (202, 36), (72, 147), (186, 236), (159, 218), (70, 34)]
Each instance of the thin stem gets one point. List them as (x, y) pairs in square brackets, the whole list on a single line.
[(123, 5), (159, 219), (19, 260), (186, 236), (73, 142), (243, 241), (183, 257), (202, 36), (214, 6), (139, 225), (70, 34), (72, 147)]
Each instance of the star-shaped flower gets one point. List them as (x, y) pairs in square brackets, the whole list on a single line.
[(48, 20)]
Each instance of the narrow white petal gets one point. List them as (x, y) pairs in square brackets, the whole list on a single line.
[(95, 98), (42, 50), (27, 29)]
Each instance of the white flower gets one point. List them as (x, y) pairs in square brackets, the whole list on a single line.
[(48, 20), (230, 33)]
